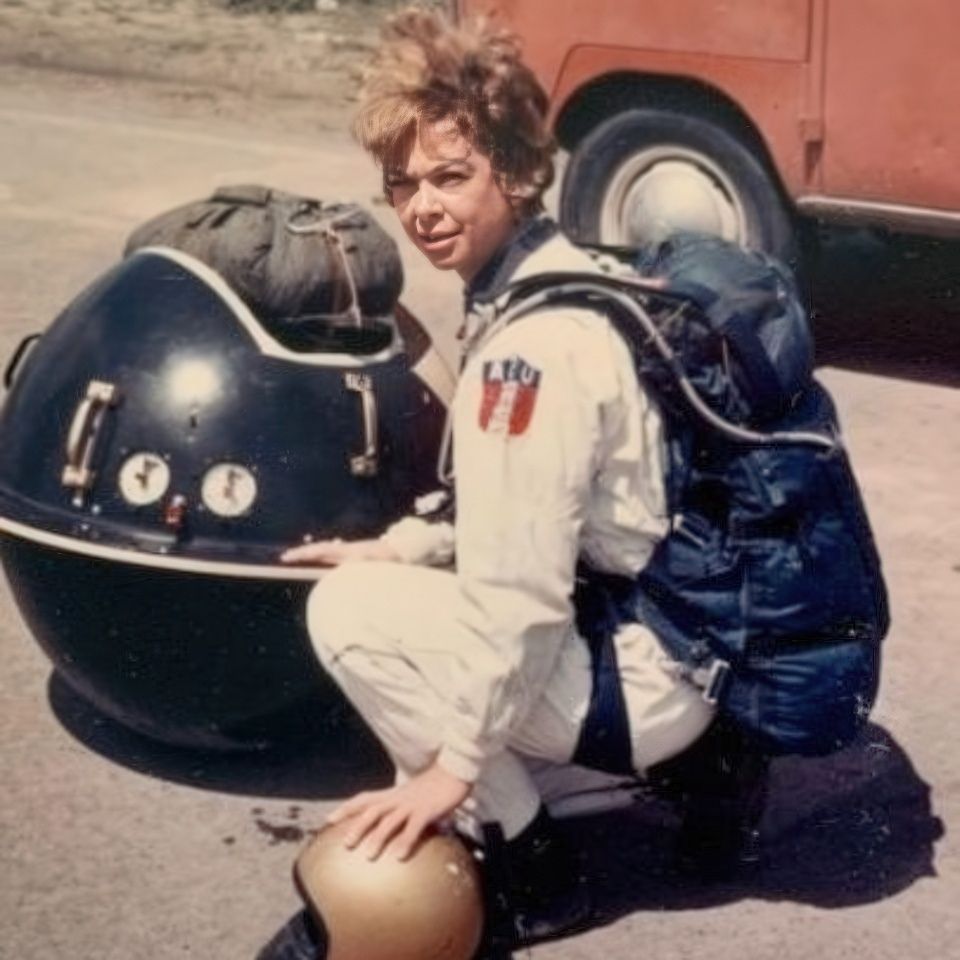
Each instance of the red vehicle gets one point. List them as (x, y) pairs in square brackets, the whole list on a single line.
[(738, 116)]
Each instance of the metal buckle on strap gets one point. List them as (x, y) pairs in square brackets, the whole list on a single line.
[(712, 680)]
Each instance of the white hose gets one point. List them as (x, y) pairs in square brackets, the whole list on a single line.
[(634, 309)]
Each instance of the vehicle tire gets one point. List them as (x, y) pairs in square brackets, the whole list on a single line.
[(647, 172)]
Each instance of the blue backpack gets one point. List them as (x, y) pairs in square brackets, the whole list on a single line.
[(768, 586)]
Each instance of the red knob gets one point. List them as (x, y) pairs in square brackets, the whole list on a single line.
[(175, 511)]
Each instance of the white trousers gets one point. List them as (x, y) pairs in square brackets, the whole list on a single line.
[(384, 632)]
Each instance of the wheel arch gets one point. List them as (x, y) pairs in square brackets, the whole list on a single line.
[(607, 95)]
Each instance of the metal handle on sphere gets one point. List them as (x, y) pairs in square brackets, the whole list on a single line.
[(82, 436), (365, 464)]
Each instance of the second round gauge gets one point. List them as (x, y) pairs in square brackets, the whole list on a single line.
[(228, 489)]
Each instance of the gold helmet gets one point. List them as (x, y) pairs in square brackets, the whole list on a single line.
[(429, 907)]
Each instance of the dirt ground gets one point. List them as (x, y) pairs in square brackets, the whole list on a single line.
[(216, 57), (115, 848)]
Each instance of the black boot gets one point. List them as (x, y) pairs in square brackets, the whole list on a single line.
[(536, 890), (720, 784), (298, 939)]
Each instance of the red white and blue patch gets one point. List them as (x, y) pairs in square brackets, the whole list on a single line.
[(510, 390)]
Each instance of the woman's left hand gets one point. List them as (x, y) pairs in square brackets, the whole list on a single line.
[(400, 814), (331, 553)]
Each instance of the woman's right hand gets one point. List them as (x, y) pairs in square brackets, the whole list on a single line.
[(330, 553)]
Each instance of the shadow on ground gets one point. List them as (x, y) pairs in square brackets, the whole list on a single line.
[(322, 754), (888, 305), (839, 831)]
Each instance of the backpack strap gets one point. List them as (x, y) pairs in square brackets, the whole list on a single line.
[(604, 741)]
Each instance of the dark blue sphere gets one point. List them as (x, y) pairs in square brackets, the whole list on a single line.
[(160, 449)]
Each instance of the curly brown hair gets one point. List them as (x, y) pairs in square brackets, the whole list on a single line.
[(427, 70)]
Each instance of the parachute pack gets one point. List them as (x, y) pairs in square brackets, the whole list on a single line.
[(317, 275), (767, 589)]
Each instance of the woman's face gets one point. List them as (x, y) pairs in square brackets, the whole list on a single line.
[(449, 201)]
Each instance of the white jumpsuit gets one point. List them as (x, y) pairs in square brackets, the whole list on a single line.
[(558, 456)]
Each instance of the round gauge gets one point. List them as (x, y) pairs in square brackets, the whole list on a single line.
[(228, 489), (144, 478)]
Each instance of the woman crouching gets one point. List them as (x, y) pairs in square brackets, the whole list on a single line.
[(467, 674)]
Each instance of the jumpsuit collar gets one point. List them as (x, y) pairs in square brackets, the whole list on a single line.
[(493, 278)]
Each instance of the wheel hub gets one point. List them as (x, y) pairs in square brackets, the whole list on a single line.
[(664, 189)]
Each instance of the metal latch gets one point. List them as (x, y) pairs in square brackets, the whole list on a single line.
[(715, 681)]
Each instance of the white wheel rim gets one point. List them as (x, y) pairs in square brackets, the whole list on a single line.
[(666, 188)]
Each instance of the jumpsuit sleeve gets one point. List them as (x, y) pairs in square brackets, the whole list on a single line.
[(527, 430), (419, 541)]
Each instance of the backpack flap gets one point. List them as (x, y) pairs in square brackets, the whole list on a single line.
[(750, 301)]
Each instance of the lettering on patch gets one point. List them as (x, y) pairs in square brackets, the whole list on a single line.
[(510, 389)]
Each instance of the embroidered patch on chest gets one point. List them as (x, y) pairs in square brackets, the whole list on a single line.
[(510, 390)]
